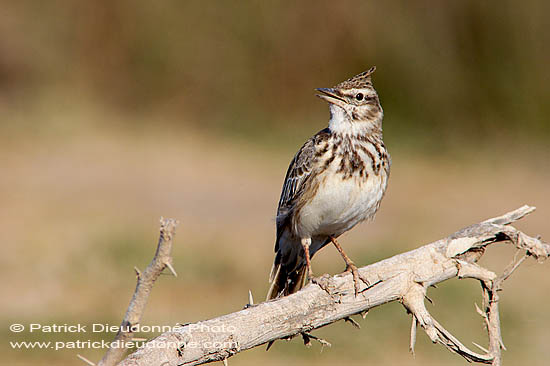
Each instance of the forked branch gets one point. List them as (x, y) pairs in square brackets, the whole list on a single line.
[(145, 282), (404, 277)]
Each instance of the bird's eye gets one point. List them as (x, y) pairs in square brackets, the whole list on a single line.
[(359, 96)]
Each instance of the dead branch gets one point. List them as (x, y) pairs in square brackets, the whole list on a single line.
[(145, 282), (404, 277)]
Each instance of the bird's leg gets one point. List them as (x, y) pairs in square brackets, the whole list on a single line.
[(350, 267), (306, 242)]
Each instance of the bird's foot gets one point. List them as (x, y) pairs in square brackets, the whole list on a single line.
[(351, 267)]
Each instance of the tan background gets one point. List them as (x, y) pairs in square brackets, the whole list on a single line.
[(112, 115)]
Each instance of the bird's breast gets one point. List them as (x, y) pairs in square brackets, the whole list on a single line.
[(339, 201)]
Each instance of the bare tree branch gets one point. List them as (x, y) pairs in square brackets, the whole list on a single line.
[(145, 282), (404, 277)]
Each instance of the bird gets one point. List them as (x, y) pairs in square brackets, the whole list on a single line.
[(335, 181)]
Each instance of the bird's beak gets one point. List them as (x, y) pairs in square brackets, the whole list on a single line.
[(331, 96)]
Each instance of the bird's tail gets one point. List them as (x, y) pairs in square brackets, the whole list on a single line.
[(285, 283)]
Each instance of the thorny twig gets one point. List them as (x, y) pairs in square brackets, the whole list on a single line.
[(145, 282), (404, 277), (490, 284)]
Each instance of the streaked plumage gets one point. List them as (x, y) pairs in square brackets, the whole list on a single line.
[(335, 181)]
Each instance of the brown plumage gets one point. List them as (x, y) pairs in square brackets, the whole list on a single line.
[(336, 180)]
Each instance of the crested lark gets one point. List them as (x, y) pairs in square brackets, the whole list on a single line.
[(335, 181)]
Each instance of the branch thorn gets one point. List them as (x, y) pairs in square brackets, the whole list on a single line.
[(481, 347), (413, 335), (307, 340), (429, 300), (353, 322), (250, 298), (169, 265), (82, 358)]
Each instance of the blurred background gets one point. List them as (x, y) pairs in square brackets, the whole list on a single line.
[(113, 114)]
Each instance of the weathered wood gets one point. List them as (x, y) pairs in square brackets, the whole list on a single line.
[(145, 281), (404, 277)]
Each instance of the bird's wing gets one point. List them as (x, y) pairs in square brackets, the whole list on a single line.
[(299, 171), (296, 181)]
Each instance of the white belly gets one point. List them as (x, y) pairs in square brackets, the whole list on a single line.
[(340, 204)]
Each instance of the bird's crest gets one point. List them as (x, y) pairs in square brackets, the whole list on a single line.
[(363, 80)]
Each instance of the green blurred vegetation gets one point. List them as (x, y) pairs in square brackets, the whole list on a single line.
[(449, 73)]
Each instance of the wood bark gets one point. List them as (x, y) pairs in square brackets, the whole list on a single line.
[(145, 281), (404, 278)]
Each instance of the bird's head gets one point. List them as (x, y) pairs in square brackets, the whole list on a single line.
[(354, 100)]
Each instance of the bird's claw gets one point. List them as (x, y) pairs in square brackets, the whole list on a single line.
[(351, 267)]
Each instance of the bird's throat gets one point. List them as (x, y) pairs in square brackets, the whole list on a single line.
[(341, 123)]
